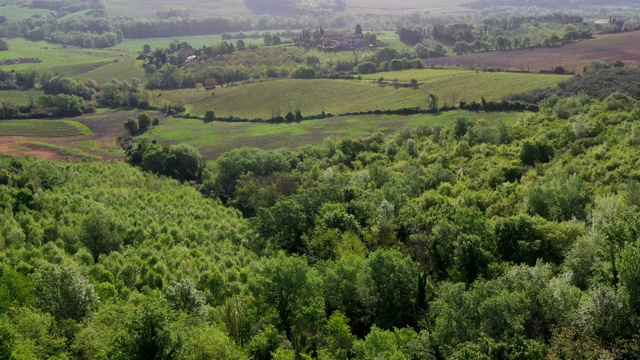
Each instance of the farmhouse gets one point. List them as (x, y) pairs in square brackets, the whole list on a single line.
[(343, 42)]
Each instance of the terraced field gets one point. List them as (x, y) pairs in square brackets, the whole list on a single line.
[(43, 128)]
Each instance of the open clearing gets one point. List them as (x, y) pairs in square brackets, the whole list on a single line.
[(19, 12), (214, 138), (136, 45), (268, 98), (573, 56), (69, 61)]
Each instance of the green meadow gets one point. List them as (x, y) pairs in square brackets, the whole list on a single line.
[(269, 98), (216, 137), (136, 45), (66, 60), (19, 12)]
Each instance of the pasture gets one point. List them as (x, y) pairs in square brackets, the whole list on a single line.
[(136, 45), (382, 7), (573, 56), (214, 138), (19, 97), (69, 61), (268, 98), (148, 8), (19, 12)]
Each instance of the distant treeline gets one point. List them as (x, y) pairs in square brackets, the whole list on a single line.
[(290, 7)]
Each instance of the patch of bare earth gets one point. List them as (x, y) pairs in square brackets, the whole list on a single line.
[(573, 56), (13, 146)]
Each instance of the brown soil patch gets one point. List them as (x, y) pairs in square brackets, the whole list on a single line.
[(573, 56), (11, 145)]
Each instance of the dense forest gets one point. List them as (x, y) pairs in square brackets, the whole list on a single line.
[(478, 240)]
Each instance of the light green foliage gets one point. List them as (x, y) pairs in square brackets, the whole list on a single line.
[(630, 274), (184, 296), (63, 292), (384, 343)]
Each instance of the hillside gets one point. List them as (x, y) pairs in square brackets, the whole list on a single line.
[(461, 241), (572, 56), (264, 99)]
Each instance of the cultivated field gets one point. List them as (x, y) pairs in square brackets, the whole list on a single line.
[(136, 45), (125, 69), (19, 97), (148, 8), (403, 6), (214, 138), (69, 61), (265, 99), (43, 128), (91, 136), (572, 56)]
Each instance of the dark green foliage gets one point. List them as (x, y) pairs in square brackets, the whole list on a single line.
[(209, 116), (62, 105), (182, 162), (3, 45), (390, 288), (536, 152), (101, 234)]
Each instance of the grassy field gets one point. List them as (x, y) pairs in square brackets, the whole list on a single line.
[(125, 69), (265, 99), (17, 12), (403, 6), (69, 61), (136, 45), (573, 56), (148, 8), (43, 128), (19, 97), (214, 138)]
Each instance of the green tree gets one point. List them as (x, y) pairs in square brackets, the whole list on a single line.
[(100, 232), (7, 339), (146, 49), (131, 125), (288, 288), (63, 292), (184, 296), (144, 121), (389, 288), (630, 274), (209, 116), (152, 333), (433, 103)]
